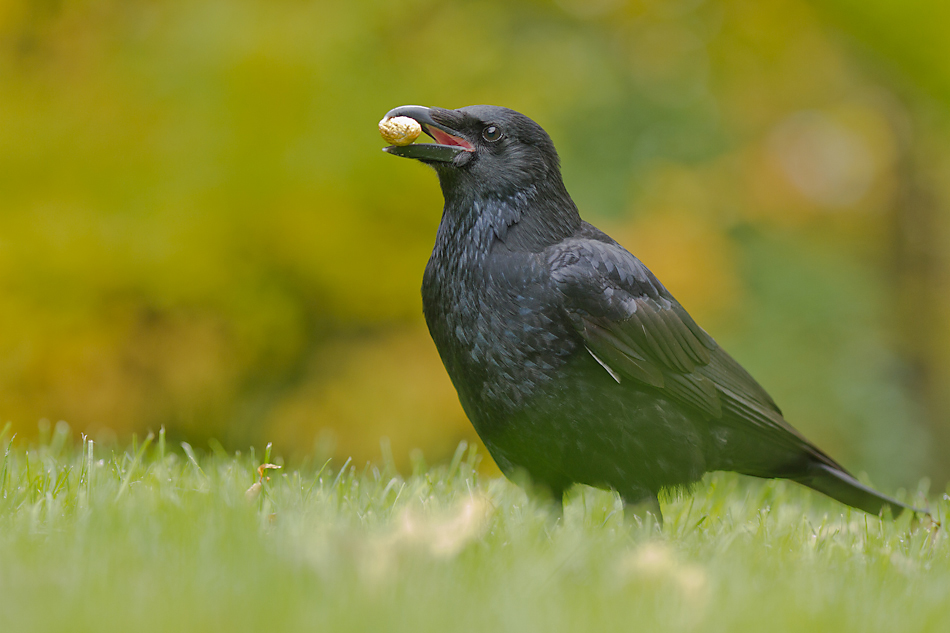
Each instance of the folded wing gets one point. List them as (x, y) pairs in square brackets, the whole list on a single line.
[(634, 326)]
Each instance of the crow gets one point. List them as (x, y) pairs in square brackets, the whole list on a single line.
[(572, 361)]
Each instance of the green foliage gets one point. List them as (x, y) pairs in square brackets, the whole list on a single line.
[(154, 538)]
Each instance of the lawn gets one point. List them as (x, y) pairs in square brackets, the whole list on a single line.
[(158, 537)]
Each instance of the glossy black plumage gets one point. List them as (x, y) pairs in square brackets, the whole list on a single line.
[(570, 358)]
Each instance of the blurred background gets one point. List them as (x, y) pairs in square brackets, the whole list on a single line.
[(198, 228)]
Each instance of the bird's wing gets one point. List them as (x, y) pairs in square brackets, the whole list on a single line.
[(634, 326)]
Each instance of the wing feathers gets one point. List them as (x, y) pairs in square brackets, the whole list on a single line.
[(621, 357), (697, 391), (659, 337), (630, 322)]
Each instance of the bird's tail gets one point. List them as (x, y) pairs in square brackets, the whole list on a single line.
[(839, 485)]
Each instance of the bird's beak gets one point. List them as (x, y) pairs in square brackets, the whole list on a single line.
[(448, 145)]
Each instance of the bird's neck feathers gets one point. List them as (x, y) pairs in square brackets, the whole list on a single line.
[(528, 218)]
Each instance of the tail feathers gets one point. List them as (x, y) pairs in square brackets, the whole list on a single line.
[(839, 485)]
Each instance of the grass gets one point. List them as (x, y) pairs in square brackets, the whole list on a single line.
[(155, 539)]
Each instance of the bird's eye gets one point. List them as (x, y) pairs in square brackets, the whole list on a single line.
[(491, 134)]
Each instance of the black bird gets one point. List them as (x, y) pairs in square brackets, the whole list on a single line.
[(570, 358)]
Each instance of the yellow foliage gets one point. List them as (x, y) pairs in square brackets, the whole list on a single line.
[(198, 227), (358, 391)]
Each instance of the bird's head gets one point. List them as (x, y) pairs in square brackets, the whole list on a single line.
[(496, 150)]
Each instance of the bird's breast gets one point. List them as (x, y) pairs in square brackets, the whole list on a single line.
[(499, 332)]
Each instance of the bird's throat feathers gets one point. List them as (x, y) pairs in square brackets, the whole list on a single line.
[(529, 218)]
